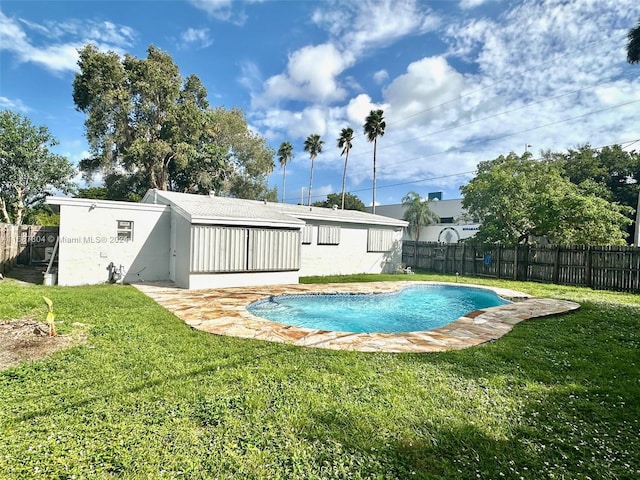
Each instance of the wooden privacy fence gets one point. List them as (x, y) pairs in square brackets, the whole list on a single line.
[(598, 267), (26, 245), (9, 246)]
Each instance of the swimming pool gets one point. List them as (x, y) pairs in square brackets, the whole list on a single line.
[(413, 308)]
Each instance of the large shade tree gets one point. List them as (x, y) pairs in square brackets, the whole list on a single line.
[(519, 200), (285, 155), (633, 44), (141, 114), (374, 127), (351, 202), (345, 142), (313, 145), (29, 170), (148, 127)]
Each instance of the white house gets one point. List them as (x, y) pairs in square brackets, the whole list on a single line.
[(451, 228), (200, 241)]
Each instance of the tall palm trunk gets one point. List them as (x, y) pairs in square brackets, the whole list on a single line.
[(284, 179), (373, 208), (344, 177), (310, 183)]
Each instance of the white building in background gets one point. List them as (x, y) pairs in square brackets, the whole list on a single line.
[(200, 241), (452, 227)]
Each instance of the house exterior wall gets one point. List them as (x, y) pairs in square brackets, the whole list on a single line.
[(180, 249), (89, 242), (350, 255)]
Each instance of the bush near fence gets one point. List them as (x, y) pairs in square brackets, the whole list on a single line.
[(598, 267)]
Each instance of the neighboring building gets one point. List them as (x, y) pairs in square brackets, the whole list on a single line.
[(200, 241), (452, 227)]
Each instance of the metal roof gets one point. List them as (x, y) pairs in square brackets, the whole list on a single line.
[(211, 209), (229, 211)]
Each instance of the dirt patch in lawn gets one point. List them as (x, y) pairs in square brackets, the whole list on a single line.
[(27, 339)]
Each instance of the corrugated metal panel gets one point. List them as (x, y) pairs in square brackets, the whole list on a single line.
[(274, 250), (307, 234), (328, 235), (379, 240), (218, 249)]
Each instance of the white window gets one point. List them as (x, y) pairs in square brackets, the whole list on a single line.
[(328, 235), (379, 240), (125, 230)]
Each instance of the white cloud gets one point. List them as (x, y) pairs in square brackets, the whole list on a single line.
[(311, 75), (55, 46), (224, 10), (467, 4), (360, 26), (195, 37), (15, 104), (427, 84), (381, 76)]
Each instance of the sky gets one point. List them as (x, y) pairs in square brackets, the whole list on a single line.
[(459, 81)]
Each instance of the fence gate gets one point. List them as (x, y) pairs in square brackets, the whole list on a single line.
[(36, 244)]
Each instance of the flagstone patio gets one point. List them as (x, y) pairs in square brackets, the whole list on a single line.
[(223, 312)]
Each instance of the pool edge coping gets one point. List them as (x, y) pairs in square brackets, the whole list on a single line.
[(224, 311)]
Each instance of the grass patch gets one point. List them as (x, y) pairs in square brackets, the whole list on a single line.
[(148, 397)]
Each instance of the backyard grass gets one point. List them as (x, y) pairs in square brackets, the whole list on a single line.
[(147, 397)]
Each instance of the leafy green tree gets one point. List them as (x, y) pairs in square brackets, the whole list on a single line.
[(285, 155), (29, 170), (633, 45), (97, 193), (148, 127), (374, 127), (313, 145), (141, 115), (610, 173), (518, 199), (345, 143), (249, 158), (418, 213), (351, 202)]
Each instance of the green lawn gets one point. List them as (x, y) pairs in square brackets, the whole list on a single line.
[(147, 397)]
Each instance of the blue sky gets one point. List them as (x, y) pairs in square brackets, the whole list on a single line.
[(460, 81)]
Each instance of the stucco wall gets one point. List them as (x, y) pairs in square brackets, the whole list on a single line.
[(350, 255), (181, 235), (89, 242)]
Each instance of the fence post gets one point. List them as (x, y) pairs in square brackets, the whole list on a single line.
[(556, 265), (587, 267), (499, 261)]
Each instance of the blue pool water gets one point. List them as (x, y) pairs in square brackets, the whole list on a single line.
[(414, 308)]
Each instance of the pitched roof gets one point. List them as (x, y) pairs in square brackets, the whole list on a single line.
[(230, 211), (234, 211)]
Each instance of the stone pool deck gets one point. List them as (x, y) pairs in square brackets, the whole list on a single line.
[(223, 312)]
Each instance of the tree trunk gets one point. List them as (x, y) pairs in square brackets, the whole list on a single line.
[(310, 183), (373, 208), (284, 180), (3, 209), (344, 176)]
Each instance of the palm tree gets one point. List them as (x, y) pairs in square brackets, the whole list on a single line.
[(418, 213), (374, 126), (633, 47), (285, 154), (313, 145), (344, 142)]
